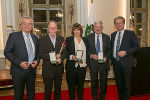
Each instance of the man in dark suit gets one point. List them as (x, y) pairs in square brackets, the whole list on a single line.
[(124, 44), (21, 50), (52, 72), (98, 44)]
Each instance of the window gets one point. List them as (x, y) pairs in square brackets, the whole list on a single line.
[(43, 11), (138, 19)]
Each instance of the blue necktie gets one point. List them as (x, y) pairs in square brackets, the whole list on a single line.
[(30, 49), (98, 45), (118, 47)]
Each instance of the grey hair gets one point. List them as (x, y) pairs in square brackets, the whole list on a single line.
[(25, 17), (98, 21), (52, 22), (119, 17)]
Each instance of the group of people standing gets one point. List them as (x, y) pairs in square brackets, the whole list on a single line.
[(24, 51)]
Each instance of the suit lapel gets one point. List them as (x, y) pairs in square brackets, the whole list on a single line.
[(113, 38), (57, 41), (93, 41), (34, 41), (123, 39), (22, 42), (103, 41), (73, 44), (50, 44)]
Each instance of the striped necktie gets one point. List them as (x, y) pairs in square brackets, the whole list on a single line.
[(97, 45), (30, 49), (118, 47)]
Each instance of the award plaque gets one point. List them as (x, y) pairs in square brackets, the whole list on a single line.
[(100, 57), (53, 58), (79, 55)]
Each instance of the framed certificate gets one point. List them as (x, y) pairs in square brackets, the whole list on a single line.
[(100, 55), (52, 56), (79, 54)]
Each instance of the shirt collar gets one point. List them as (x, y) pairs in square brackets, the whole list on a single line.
[(25, 33), (121, 31), (98, 34), (51, 37)]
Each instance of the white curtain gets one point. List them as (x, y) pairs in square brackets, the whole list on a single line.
[(92, 14), (82, 12), (85, 15)]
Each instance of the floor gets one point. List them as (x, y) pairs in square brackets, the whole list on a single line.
[(40, 86)]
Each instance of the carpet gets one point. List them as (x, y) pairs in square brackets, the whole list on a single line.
[(111, 95)]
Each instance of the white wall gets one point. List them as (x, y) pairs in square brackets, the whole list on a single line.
[(107, 10)]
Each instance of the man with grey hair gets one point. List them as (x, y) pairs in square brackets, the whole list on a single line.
[(52, 72), (99, 51), (124, 44), (22, 51)]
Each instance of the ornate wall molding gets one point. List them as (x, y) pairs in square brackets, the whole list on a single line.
[(21, 9), (71, 17)]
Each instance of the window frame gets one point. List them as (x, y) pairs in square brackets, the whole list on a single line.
[(47, 6), (143, 39)]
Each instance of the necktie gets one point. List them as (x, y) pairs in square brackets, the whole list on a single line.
[(30, 49), (117, 47), (98, 45)]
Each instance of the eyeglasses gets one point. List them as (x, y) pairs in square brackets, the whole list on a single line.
[(119, 23)]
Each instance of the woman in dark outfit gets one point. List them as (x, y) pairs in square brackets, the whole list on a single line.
[(76, 71)]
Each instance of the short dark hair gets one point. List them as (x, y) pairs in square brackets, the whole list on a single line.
[(78, 27), (119, 17)]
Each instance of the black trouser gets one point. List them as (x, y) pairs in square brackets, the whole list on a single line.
[(101, 68), (123, 80), (75, 80), (48, 85), (22, 78)]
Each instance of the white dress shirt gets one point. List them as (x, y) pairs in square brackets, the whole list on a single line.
[(32, 43), (53, 40), (80, 46), (115, 42)]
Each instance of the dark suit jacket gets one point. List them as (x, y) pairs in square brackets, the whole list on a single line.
[(70, 50), (16, 51), (92, 48), (129, 44), (45, 47)]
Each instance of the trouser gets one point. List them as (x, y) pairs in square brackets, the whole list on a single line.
[(75, 80), (123, 80), (22, 78), (48, 85), (94, 70)]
